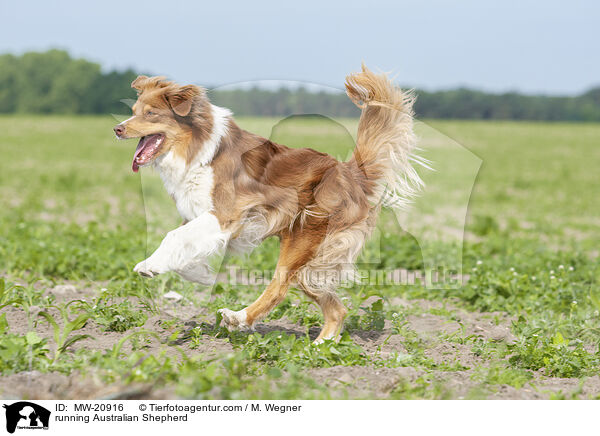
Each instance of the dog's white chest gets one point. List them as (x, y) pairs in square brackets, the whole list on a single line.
[(190, 187)]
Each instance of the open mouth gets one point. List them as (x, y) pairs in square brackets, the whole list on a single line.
[(146, 150)]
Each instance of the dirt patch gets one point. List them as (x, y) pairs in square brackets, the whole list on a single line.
[(493, 326), (430, 325), (450, 353), (438, 325), (33, 385), (361, 381), (185, 317)]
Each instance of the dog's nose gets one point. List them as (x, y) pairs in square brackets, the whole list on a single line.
[(119, 130)]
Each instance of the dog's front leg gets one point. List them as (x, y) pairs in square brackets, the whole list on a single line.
[(185, 249), (295, 251)]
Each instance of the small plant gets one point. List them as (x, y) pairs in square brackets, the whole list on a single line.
[(24, 296), (118, 317), (61, 335), (304, 312), (498, 375), (555, 355), (5, 294), (373, 318), (21, 353), (280, 349)]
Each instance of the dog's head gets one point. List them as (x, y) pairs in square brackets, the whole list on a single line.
[(165, 116)]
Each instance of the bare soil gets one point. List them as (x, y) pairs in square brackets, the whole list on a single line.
[(344, 382)]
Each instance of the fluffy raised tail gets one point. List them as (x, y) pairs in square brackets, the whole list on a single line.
[(385, 140)]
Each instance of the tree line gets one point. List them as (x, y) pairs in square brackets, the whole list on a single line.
[(54, 82)]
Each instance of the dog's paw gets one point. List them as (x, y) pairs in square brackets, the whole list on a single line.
[(235, 320), (329, 336), (148, 268), (319, 341)]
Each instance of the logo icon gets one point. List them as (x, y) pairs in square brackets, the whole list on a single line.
[(26, 415)]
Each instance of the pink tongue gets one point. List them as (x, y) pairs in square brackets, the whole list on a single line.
[(134, 166), (144, 141)]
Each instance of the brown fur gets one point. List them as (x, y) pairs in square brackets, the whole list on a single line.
[(181, 113), (321, 209)]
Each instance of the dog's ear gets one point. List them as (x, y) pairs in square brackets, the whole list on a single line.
[(139, 82), (181, 99)]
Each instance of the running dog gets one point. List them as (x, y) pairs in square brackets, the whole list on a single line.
[(233, 189)]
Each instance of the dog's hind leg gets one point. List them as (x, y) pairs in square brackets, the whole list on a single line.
[(296, 250), (333, 266), (334, 313), (317, 287)]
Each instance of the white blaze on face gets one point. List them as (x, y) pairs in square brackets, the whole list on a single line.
[(124, 124), (127, 120)]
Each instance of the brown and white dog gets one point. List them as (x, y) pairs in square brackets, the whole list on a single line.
[(234, 189)]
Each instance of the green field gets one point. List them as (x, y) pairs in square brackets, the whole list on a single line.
[(76, 322)]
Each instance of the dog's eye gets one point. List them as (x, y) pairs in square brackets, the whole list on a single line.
[(150, 113)]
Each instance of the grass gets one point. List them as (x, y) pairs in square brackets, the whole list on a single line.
[(74, 214)]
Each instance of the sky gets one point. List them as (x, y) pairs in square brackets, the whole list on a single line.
[(535, 47)]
